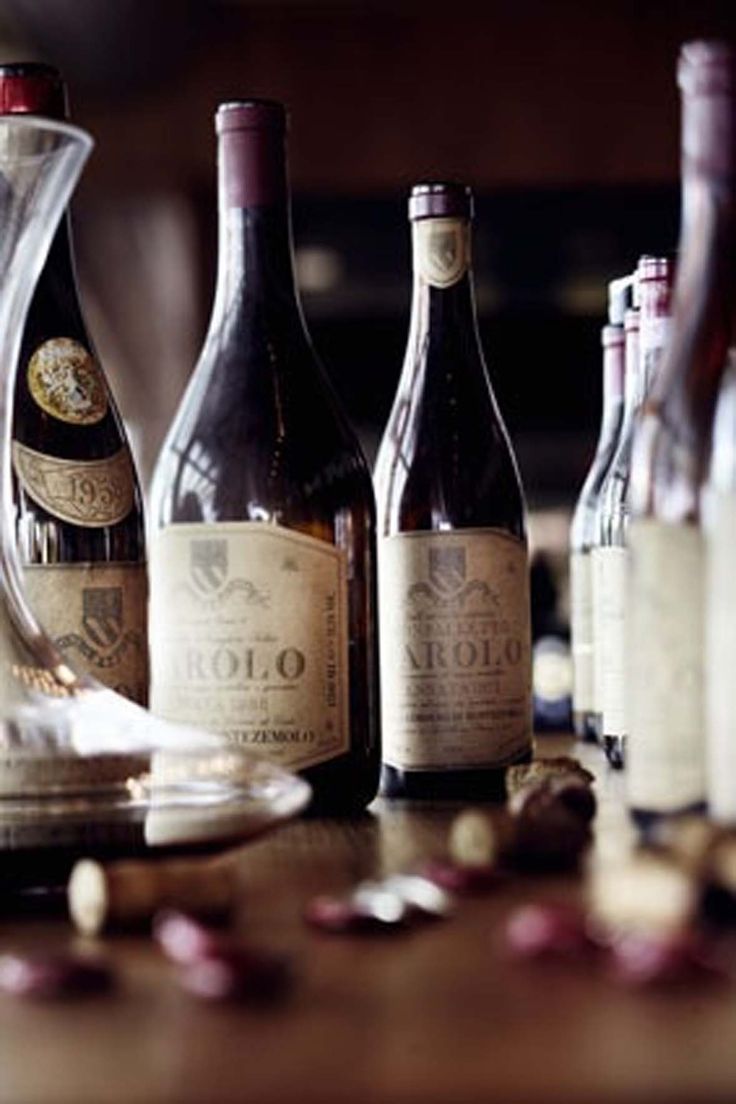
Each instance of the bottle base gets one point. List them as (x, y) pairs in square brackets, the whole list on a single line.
[(583, 726), (451, 785), (647, 820), (615, 749)]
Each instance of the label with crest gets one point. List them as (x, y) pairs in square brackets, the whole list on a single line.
[(249, 634), (455, 649), (96, 615), (441, 250)]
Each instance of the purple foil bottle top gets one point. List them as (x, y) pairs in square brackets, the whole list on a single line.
[(252, 152), (440, 200)]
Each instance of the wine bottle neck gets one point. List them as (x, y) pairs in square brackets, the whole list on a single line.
[(443, 301), (255, 254)]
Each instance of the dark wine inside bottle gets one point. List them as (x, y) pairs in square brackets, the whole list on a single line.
[(455, 621)]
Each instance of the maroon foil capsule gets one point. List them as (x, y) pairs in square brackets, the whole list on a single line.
[(466, 881), (548, 931), (53, 976), (641, 959), (184, 940), (238, 974)]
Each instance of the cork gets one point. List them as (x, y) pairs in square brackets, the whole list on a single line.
[(124, 894)]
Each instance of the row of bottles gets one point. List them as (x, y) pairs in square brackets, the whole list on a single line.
[(666, 684), (266, 547)]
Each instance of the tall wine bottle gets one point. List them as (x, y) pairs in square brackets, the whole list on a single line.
[(582, 528), (453, 562), (263, 569), (666, 761), (645, 347), (78, 506)]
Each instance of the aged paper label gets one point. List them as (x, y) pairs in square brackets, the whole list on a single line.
[(665, 764), (581, 615), (96, 615), (66, 382), (720, 657), (89, 493), (249, 637), (441, 248), (455, 649), (611, 640)]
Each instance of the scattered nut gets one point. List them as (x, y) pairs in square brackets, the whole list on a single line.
[(648, 892), (51, 976), (481, 838), (561, 766), (548, 835)]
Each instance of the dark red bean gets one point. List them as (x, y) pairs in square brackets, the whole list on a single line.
[(237, 974), (463, 880), (47, 976), (184, 940), (548, 931)]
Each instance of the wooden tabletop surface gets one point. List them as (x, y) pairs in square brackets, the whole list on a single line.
[(436, 1015)]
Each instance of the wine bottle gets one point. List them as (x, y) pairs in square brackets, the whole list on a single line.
[(719, 524), (666, 762), (263, 573), (608, 553), (453, 561), (582, 528), (647, 340), (78, 506)]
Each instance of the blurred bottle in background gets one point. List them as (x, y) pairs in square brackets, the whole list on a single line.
[(666, 757), (582, 529), (648, 337)]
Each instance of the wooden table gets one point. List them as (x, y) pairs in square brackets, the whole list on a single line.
[(438, 1015)]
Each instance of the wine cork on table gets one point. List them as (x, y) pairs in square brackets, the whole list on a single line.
[(121, 894)]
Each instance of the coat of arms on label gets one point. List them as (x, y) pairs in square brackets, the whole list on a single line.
[(66, 382), (441, 250), (208, 564), (102, 615)]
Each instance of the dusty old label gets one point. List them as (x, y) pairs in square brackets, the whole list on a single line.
[(66, 382), (441, 249), (455, 649), (666, 751), (96, 616), (611, 640), (720, 657), (89, 493), (249, 632), (581, 610)]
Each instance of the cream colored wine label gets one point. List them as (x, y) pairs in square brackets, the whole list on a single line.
[(96, 615), (720, 658), (611, 641), (581, 610), (597, 570), (441, 248), (455, 649), (66, 382), (89, 493), (249, 637), (666, 750)]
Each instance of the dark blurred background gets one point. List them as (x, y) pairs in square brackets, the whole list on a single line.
[(562, 115)]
